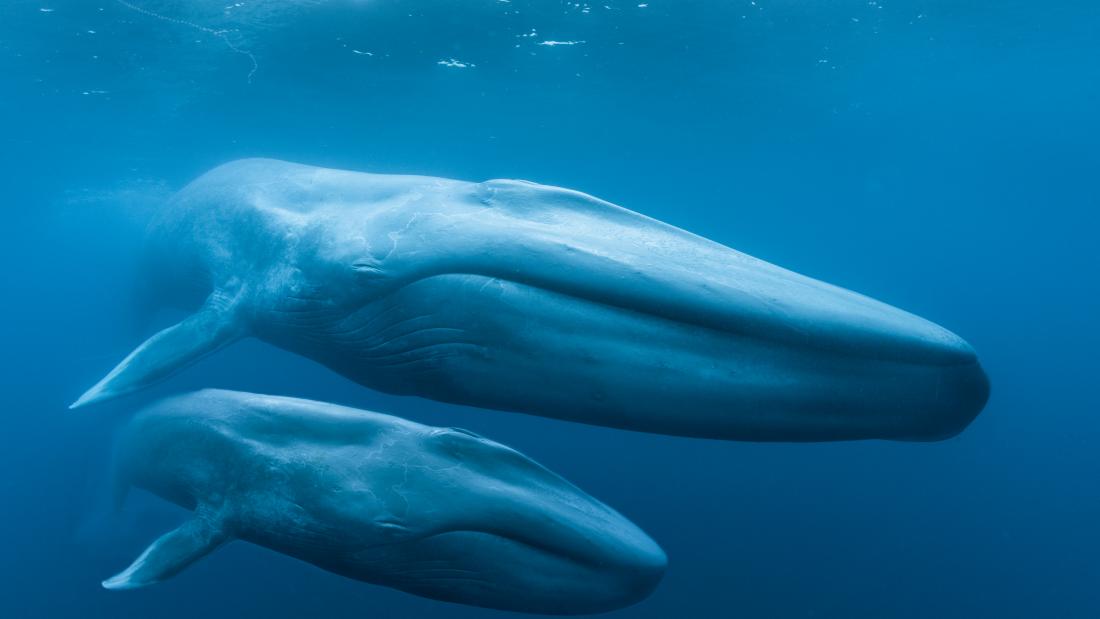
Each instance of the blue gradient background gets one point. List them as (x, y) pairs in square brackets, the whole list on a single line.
[(938, 155)]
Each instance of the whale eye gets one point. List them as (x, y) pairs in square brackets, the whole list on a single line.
[(368, 269), (470, 433), (478, 452), (459, 441)]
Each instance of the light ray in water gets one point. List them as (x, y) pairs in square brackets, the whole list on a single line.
[(219, 34)]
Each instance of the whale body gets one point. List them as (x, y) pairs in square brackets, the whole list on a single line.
[(437, 512), (521, 297)]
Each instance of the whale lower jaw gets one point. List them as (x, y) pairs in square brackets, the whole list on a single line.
[(475, 568), (494, 343)]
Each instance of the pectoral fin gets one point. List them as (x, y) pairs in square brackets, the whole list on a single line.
[(171, 554), (213, 326)]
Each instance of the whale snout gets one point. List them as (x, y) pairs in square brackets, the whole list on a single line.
[(951, 397), (953, 389), (895, 374), (826, 363), (546, 546), (925, 379), (635, 574)]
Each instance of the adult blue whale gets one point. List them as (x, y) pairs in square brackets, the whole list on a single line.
[(440, 513), (522, 297)]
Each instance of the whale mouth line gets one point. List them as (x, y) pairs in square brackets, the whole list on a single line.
[(531, 545), (759, 326)]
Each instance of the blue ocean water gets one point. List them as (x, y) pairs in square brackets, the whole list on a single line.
[(940, 156)]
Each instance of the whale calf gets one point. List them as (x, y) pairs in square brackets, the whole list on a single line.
[(437, 512), (521, 297)]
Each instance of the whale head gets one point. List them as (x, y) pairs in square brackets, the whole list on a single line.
[(517, 296), (438, 512)]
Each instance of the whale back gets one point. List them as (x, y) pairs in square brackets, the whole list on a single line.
[(180, 446)]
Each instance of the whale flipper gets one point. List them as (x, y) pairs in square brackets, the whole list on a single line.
[(213, 326), (171, 553)]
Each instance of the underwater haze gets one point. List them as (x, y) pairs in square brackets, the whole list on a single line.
[(941, 156)]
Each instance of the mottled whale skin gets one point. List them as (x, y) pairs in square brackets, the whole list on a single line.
[(437, 512), (521, 297)]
